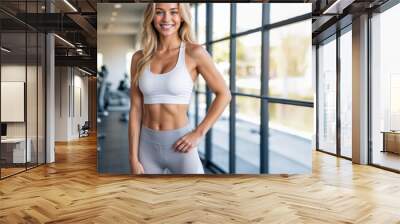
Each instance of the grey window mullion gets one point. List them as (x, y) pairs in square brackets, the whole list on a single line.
[(369, 86), (232, 87), (209, 31), (264, 127), (338, 123)]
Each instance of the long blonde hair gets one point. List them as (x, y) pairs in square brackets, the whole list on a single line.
[(149, 39)]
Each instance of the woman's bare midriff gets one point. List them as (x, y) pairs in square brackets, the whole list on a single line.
[(163, 117)]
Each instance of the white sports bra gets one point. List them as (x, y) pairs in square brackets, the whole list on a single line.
[(173, 87)]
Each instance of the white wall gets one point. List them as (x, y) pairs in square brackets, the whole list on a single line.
[(80, 108), (71, 93), (15, 73), (114, 49), (61, 103)]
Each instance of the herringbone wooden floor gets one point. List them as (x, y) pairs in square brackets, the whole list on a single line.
[(71, 191)]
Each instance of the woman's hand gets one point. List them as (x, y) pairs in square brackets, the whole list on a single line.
[(187, 142), (137, 168)]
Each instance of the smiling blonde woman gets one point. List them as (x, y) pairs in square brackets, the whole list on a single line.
[(163, 75)]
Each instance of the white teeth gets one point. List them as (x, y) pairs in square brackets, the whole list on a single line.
[(166, 26)]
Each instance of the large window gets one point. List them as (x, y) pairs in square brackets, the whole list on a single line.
[(335, 95), (334, 82), (385, 85), (237, 139)]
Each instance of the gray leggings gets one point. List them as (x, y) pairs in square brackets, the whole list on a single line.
[(157, 154)]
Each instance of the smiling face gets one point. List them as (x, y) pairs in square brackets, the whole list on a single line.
[(167, 19)]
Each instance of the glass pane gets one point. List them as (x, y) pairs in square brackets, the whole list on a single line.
[(202, 113), (31, 101), (290, 133), (283, 11), (201, 38), (220, 141), (385, 86), (345, 94), (221, 58), (327, 97), (248, 63), (290, 62), (221, 20), (13, 86), (247, 135), (246, 22)]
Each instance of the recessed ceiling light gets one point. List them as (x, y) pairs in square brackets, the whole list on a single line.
[(117, 6)]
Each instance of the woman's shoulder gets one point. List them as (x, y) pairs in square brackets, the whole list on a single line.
[(195, 50), (137, 55)]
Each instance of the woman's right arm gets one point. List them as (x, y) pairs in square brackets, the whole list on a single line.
[(135, 118)]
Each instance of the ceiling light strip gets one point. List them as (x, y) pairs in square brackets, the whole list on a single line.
[(5, 49), (84, 71), (64, 40), (337, 7), (70, 5)]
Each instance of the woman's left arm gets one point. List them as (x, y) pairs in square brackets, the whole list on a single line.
[(206, 67)]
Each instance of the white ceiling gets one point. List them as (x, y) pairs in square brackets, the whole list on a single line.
[(126, 20)]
